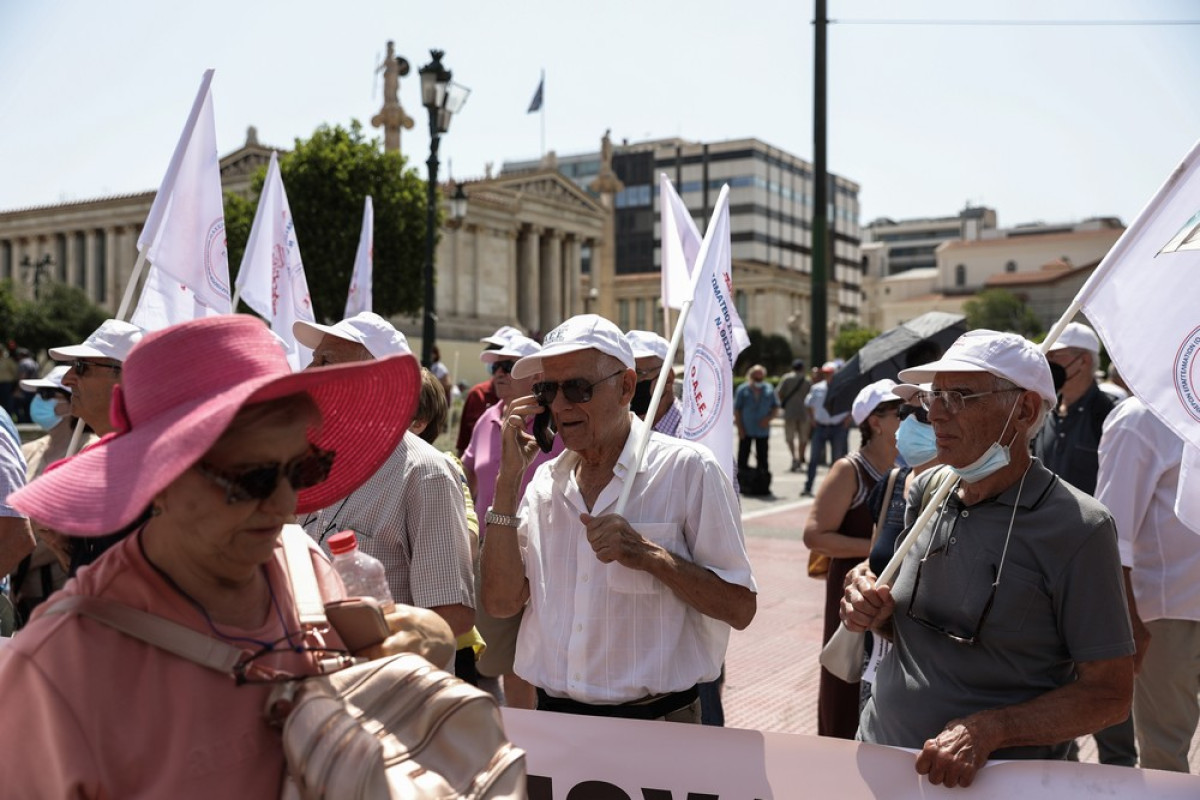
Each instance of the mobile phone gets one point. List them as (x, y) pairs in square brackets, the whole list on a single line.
[(359, 621), (543, 430)]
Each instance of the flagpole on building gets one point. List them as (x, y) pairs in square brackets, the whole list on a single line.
[(672, 348), (542, 88)]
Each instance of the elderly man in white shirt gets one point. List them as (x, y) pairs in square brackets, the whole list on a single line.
[(626, 613), (1138, 480)]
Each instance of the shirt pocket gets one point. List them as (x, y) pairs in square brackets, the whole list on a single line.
[(667, 535), (1021, 601)]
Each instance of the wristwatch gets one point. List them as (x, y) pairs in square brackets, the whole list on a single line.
[(493, 518)]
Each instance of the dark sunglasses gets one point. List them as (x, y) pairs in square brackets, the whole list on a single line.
[(53, 394), (576, 390), (907, 411), (502, 366), (258, 483), (82, 368)]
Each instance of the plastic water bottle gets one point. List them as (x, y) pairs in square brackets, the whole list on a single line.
[(363, 575)]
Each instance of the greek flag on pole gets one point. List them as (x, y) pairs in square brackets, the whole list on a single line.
[(184, 234), (271, 279), (713, 337), (680, 244), (359, 298), (1142, 301)]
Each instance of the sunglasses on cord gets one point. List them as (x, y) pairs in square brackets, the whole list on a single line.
[(259, 482)]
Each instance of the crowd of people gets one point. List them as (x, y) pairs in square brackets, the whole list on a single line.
[(551, 563)]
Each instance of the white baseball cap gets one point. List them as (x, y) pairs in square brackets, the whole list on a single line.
[(1005, 355), (907, 391), (112, 340), (829, 366), (582, 332), (648, 344), (869, 398), (517, 348), (53, 380), (367, 328), (1076, 334), (502, 335)]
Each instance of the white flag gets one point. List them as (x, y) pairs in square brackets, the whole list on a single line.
[(165, 301), (271, 279), (184, 234), (680, 244), (713, 337), (1142, 301), (359, 299)]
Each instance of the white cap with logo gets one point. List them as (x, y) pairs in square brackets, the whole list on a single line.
[(1005, 355), (367, 328), (869, 398), (112, 340), (582, 332)]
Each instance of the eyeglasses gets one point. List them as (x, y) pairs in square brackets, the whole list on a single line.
[(53, 394), (502, 366), (954, 401), (907, 411), (576, 390), (82, 368), (251, 669), (258, 483)]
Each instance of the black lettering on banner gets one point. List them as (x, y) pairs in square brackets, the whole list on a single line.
[(541, 787)]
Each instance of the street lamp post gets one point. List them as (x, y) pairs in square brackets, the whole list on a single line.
[(442, 99)]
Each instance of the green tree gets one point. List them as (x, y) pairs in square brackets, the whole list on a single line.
[(1001, 310), (850, 340), (327, 178), (771, 350), (64, 315)]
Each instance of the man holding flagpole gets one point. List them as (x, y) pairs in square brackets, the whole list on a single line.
[(675, 558)]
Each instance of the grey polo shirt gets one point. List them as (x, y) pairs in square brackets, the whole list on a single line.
[(1060, 600)]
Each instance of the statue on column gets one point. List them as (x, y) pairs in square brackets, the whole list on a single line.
[(606, 182), (392, 117)]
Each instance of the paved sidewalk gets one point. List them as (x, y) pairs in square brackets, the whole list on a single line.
[(771, 667)]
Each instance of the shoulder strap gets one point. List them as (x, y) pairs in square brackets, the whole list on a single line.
[(309, 605), (152, 629)]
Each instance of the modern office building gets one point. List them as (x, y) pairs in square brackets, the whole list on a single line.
[(912, 243), (771, 195)]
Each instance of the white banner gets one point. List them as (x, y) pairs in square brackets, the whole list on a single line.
[(713, 336), (271, 279), (680, 244), (1142, 301), (165, 301), (593, 758), (359, 299), (184, 234)]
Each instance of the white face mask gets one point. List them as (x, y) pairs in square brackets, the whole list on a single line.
[(995, 458)]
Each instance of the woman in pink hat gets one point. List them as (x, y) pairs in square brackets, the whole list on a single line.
[(218, 444)]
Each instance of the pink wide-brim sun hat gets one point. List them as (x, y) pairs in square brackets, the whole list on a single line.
[(180, 389)]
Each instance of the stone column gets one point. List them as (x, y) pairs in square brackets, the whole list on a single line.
[(74, 259), (512, 281), (572, 276), (89, 263), (551, 280), (528, 280)]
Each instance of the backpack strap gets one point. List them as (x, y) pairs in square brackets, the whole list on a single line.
[(152, 629), (303, 578)]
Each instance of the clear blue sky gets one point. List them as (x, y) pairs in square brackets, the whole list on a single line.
[(1050, 123)]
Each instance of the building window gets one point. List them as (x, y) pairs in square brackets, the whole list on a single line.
[(741, 304), (60, 258), (1011, 266), (623, 314), (960, 275), (640, 313), (6, 260)]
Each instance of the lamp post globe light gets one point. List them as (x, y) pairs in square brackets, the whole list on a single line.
[(442, 98)]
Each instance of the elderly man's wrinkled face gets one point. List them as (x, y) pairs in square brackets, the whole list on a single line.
[(963, 436), (593, 425), (336, 350), (91, 391)]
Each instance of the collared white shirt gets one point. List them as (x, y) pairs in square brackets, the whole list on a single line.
[(1139, 475), (604, 633), (816, 401)]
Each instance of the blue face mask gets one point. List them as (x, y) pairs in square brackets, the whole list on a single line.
[(42, 412), (995, 458), (916, 442)]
